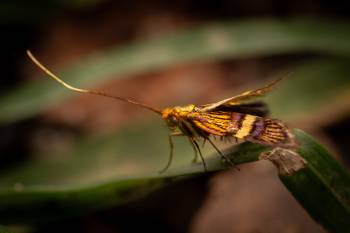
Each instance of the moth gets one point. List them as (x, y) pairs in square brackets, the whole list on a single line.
[(231, 118)]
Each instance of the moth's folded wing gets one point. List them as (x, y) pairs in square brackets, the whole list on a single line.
[(215, 123), (257, 108), (236, 100), (271, 132)]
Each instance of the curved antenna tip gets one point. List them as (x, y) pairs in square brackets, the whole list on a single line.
[(53, 76)]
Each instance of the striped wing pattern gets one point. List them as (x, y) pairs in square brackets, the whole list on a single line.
[(243, 126), (215, 123)]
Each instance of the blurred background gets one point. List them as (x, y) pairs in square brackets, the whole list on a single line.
[(163, 53)]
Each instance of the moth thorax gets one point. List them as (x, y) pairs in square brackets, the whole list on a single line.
[(182, 111)]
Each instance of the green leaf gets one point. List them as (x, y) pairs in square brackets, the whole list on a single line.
[(215, 41), (99, 173), (323, 187)]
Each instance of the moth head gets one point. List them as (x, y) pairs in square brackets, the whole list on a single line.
[(173, 115), (170, 116)]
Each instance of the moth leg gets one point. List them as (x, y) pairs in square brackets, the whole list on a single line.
[(171, 144), (227, 159), (204, 141), (195, 145), (194, 160), (177, 134), (195, 151)]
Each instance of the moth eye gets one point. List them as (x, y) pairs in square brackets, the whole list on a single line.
[(173, 120)]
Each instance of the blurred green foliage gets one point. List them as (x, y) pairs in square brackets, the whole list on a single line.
[(216, 41), (4, 229)]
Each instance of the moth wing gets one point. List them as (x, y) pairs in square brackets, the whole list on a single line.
[(215, 123), (248, 127), (271, 132), (256, 108), (236, 100)]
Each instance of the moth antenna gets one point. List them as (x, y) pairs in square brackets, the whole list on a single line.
[(100, 93)]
